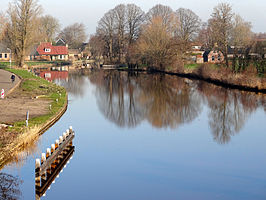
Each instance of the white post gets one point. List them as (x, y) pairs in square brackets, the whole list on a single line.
[(37, 163), (27, 118), (48, 152), (70, 129), (67, 132), (60, 140), (43, 157), (64, 136), (52, 148), (56, 144)]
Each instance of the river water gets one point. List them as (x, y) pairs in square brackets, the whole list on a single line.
[(152, 136)]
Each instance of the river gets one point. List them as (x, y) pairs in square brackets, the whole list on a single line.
[(151, 136)]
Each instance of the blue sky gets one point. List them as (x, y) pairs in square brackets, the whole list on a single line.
[(89, 12)]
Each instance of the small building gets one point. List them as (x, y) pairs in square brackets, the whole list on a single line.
[(74, 54), (46, 51), (213, 56), (4, 53)]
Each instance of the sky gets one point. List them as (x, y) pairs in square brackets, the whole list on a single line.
[(90, 12)]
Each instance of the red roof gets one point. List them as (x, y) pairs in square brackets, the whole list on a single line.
[(54, 50)]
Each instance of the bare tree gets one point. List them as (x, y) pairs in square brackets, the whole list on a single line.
[(21, 28), (221, 25), (135, 18), (165, 12), (205, 36), (120, 27), (156, 45), (50, 27), (106, 28), (74, 35), (3, 24), (189, 24), (241, 35)]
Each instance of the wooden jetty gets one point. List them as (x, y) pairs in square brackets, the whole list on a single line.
[(52, 162)]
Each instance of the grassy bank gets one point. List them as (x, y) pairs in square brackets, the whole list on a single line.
[(34, 63), (219, 74), (19, 136)]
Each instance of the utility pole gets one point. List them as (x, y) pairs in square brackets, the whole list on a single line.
[(9, 56)]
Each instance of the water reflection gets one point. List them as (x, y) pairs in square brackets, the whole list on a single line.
[(9, 187), (228, 109), (74, 84), (169, 101), (43, 183)]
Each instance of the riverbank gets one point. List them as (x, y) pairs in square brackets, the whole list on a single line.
[(46, 103), (218, 75)]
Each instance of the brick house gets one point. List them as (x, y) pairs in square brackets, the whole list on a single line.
[(46, 51), (213, 56)]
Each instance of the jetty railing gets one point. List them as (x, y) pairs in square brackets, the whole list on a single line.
[(53, 161)]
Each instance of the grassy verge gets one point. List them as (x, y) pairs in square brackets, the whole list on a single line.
[(36, 87), (33, 63)]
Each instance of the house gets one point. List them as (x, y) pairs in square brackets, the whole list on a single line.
[(195, 54), (74, 54), (5, 53), (196, 47), (86, 51), (213, 56), (46, 51)]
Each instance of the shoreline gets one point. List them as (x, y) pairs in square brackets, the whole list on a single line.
[(193, 74), (27, 136)]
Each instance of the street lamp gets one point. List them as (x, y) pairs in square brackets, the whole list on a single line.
[(9, 56)]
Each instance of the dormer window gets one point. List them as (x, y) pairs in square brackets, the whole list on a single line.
[(47, 50)]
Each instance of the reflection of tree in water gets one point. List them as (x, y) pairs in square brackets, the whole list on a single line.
[(9, 187), (75, 84), (229, 110), (125, 100), (116, 99), (168, 101)]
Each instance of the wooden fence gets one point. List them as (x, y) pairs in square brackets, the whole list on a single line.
[(53, 161)]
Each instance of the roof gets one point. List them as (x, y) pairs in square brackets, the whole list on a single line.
[(54, 50), (3, 48), (74, 51)]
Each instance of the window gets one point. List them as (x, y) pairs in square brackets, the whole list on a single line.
[(213, 58), (219, 57), (0, 55), (47, 50), (5, 55)]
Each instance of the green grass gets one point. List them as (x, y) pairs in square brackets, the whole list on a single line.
[(35, 86), (191, 66), (32, 63)]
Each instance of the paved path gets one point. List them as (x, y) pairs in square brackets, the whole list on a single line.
[(5, 81)]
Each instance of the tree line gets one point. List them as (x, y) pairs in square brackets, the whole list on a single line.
[(23, 25), (162, 37)]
